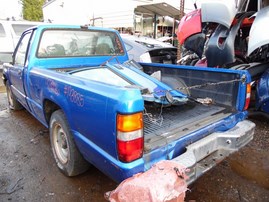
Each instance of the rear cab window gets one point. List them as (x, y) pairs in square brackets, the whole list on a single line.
[(78, 43)]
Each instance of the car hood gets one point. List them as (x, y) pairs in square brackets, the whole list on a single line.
[(259, 34)]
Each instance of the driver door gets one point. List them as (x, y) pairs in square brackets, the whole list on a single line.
[(18, 68)]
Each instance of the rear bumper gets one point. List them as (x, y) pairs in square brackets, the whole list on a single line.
[(206, 153)]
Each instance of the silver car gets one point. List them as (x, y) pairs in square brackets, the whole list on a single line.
[(148, 50)]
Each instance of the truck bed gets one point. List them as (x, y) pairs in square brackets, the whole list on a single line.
[(178, 120), (164, 125)]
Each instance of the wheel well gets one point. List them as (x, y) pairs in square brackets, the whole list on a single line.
[(49, 108)]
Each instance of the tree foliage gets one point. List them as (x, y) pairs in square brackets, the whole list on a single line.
[(32, 9)]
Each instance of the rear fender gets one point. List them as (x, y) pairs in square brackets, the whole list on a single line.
[(218, 11)]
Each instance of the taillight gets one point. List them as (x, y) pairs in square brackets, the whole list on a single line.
[(248, 94), (130, 141)]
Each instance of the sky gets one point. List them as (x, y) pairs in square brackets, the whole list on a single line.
[(9, 9), (12, 8), (188, 4)]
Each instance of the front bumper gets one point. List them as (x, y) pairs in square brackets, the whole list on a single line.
[(207, 152)]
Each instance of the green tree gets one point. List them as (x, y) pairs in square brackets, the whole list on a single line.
[(32, 9)]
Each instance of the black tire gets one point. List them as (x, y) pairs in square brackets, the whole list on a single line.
[(66, 154), (176, 83), (12, 101)]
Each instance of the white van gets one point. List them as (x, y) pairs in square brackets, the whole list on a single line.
[(10, 32)]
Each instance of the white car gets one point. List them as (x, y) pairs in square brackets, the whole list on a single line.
[(10, 32)]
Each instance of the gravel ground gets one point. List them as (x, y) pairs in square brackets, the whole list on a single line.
[(243, 177)]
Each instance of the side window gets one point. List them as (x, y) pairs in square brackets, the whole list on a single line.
[(22, 50)]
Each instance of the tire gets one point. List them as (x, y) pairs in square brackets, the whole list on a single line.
[(176, 83), (12, 101), (66, 154)]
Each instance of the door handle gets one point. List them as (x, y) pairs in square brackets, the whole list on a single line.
[(19, 72)]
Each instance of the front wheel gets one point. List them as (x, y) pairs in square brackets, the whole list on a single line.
[(12, 101), (66, 154)]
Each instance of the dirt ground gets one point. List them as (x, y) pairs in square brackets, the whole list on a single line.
[(29, 173)]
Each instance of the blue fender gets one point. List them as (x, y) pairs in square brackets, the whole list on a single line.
[(262, 93)]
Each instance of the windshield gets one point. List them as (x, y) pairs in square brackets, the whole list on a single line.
[(70, 43)]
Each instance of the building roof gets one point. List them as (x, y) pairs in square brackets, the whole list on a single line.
[(162, 9)]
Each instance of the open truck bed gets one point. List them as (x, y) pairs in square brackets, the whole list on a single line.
[(167, 124), (198, 135)]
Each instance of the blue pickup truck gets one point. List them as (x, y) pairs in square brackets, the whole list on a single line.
[(105, 110)]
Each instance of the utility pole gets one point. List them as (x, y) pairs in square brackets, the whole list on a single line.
[(93, 20), (181, 14)]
